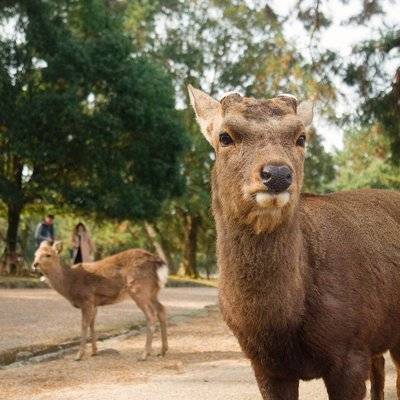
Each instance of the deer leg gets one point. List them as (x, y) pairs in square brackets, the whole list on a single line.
[(377, 378), (151, 321), (93, 333), (395, 353), (143, 302), (275, 389), (347, 381), (87, 316), (162, 318)]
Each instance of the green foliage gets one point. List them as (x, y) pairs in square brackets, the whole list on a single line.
[(372, 70), (88, 121), (364, 161), (84, 121), (190, 214), (219, 45), (223, 45), (319, 168), (108, 236), (379, 91)]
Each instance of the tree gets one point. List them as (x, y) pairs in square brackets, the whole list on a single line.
[(223, 45), (83, 121), (364, 160), (218, 45), (372, 69), (185, 229), (379, 91), (319, 166)]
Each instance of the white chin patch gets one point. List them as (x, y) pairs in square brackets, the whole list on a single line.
[(266, 200)]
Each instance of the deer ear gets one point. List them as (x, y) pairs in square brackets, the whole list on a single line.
[(305, 111), (207, 110), (58, 247)]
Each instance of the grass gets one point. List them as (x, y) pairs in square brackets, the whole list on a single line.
[(12, 282), (199, 281)]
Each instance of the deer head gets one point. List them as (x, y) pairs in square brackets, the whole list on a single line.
[(259, 147), (47, 257)]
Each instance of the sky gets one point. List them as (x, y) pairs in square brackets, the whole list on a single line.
[(340, 38)]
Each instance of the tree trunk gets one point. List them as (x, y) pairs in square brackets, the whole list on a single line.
[(10, 262), (165, 244), (160, 249), (189, 262)]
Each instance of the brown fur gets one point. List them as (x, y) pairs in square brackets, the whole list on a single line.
[(311, 287), (89, 285)]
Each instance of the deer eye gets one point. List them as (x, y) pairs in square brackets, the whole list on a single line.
[(225, 139), (301, 141)]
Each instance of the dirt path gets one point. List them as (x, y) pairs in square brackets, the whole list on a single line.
[(204, 363), (31, 317)]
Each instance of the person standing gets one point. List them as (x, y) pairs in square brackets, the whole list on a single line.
[(45, 230), (82, 245)]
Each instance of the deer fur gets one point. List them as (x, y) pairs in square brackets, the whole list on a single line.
[(309, 284), (135, 273)]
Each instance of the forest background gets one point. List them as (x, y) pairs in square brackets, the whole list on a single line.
[(95, 124)]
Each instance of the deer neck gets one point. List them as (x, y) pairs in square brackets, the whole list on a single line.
[(262, 276), (60, 280)]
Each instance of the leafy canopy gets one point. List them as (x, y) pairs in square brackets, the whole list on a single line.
[(83, 119)]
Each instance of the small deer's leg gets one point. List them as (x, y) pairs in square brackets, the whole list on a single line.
[(87, 313), (275, 389), (347, 381), (378, 378), (162, 317), (150, 314), (142, 299), (93, 333), (395, 353)]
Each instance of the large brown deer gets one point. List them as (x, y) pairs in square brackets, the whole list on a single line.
[(310, 285), (135, 273)]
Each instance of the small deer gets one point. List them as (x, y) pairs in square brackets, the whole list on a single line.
[(310, 285), (135, 273)]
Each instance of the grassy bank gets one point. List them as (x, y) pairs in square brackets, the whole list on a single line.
[(20, 282)]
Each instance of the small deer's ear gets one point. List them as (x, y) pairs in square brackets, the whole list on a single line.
[(58, 247), (305, 111), (207, 110)]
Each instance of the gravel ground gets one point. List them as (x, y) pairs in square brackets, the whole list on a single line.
[(43, 317), (204, 362)]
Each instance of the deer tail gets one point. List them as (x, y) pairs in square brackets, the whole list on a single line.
[(162, 274)]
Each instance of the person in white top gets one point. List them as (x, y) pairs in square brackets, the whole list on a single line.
[(83, 248)]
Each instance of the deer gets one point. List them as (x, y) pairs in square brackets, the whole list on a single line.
[(309, 284), (134, 273)]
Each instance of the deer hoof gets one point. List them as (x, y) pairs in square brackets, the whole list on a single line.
[(80, 355), (143, 357), (162, 353)]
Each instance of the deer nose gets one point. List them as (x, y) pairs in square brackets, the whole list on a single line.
[(35, 266), (276, 178)]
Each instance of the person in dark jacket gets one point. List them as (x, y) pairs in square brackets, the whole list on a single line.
[(45, 230)]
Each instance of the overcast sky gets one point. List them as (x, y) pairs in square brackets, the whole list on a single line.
[(339, 37)]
